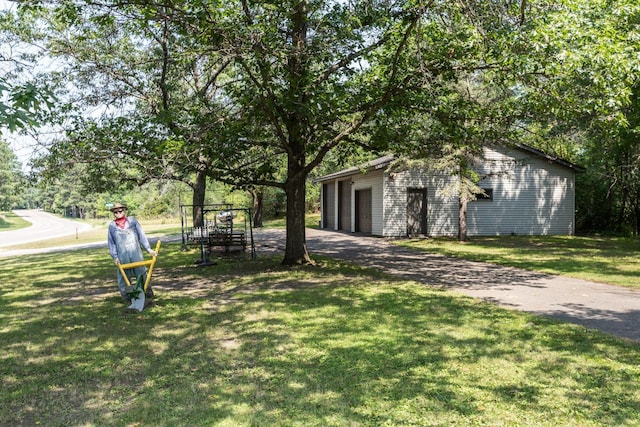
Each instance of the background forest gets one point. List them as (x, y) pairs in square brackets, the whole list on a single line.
[(162, 103)]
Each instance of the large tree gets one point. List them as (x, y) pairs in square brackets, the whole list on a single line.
[(305, 77), (471, 104), (317, 76), (574, 96)]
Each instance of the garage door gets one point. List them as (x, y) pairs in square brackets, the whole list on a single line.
[(344, 205), (328, 206)]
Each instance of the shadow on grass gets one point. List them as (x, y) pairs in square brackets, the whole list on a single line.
[(253, 343)]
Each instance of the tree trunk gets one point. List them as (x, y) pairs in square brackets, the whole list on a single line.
[(462, 220), (199, 190), (258, 203), (617, 225), (298, 136), (296, 245)]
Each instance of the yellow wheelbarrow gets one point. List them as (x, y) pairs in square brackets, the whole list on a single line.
[(138, 289)]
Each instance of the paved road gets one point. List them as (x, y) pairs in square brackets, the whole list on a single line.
[(611, 309), (44, 226)]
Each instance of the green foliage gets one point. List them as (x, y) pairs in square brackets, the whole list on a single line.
[(12, 180), (609, 197), (582, 103), (21, 105), (275, 203), (158, 94), (69, 189), (152, 200), (259, 95), (23, 99)]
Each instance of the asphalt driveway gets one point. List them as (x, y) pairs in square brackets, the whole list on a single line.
[(611, 309)]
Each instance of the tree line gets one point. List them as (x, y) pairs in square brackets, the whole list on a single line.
[(260, 94), (67, 195)]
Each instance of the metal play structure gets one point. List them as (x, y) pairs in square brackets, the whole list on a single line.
[(217, 228), (138, 289)]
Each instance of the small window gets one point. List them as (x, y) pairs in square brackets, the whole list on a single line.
[(487, 195)]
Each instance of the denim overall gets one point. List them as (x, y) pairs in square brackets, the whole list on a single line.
[(129, 251)]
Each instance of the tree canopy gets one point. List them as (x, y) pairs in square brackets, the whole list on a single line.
[(582, 103), (261, 93)]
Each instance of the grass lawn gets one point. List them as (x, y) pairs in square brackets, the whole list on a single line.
[(152, 228), (250, 343), (600, 259), (311, 221), (11, 221)]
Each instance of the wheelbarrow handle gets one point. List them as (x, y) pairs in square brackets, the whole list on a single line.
[(153, 263), (150, 263)]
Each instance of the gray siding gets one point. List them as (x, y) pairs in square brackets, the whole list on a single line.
[(442, 207), (530, 196)]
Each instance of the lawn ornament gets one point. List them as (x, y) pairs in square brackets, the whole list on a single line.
[(137, 290)]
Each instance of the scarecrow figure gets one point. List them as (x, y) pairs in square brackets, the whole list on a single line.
[(125, 238)]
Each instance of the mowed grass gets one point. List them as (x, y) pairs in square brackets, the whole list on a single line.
[(251, 343), (98, 234), (312, 220), (11, 221), (611, 260)]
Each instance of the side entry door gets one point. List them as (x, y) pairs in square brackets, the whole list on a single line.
[(416, 212), (363, 211)]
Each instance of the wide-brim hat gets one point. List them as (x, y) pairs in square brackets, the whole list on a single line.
[(119, 206)]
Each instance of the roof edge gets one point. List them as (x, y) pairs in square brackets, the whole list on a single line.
[(553, 159), (375, 164), (384, 161)]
